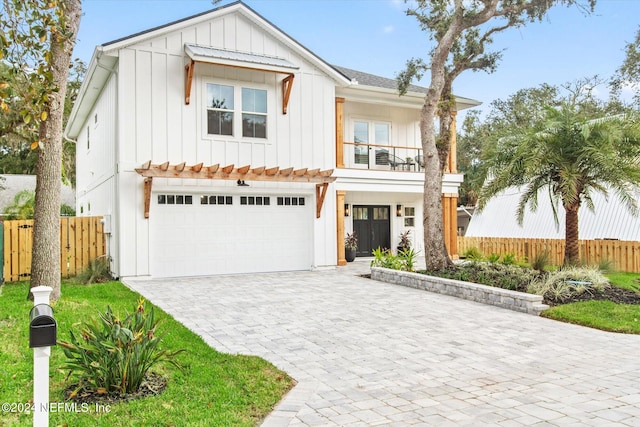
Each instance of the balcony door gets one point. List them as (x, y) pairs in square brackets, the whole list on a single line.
[(373, 227), (371, 150)]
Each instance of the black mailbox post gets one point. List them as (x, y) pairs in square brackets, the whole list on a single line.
[(42, 327)]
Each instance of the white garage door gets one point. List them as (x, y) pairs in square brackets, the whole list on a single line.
[(194, 235)]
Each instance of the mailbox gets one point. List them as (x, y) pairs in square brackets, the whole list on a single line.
[(42, 327)]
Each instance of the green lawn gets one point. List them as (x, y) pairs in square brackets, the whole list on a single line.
[(628, 281), (604, 315), (215, 389)]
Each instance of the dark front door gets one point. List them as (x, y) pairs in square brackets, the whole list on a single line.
[(372, 226)]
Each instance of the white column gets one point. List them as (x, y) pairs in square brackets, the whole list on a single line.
[(41, 368)]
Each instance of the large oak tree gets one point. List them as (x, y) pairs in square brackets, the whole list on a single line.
[(452, 25)]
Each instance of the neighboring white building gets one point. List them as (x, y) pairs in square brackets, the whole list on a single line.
[(14, 183), (170, 123), (609, 220)]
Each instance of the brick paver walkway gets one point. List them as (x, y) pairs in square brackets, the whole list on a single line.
[(366, 353)]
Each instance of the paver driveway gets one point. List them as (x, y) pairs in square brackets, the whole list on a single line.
[(367, 353)]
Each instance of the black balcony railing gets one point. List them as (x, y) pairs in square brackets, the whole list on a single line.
[(383, 157)]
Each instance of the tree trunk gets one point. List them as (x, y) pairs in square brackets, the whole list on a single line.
[(45, 262), (572, 244), (436, 256)]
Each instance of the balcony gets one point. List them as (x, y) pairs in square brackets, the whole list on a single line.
[(382, 157)]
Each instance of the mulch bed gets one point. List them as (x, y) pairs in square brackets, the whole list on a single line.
[(610, 293), (152, 385)]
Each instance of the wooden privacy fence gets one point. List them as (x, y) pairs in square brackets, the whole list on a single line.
[(624, 255), (81, 241)]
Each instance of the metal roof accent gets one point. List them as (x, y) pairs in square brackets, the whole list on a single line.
[(232, 57)]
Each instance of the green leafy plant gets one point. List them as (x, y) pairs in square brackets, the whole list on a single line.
[(509, 259), (404, 260), (408, 258), (113, 354), (96, 272), (385, 259), (66, 210), (473, 253), (493, 257), (351, 241)]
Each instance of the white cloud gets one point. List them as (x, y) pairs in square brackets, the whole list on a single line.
[(388, 29)]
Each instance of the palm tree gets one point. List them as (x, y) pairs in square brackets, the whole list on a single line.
[(571, 156), (22, 205)]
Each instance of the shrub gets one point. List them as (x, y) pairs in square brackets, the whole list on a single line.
[(493, 257), (606, 265), (113, 355), (473, 253), (562, 285), (540, 261), (96, 272), (502, 276), (509, 259), (405, 260)]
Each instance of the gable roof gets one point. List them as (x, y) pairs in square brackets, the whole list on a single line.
[(104, 60), (245, 10)]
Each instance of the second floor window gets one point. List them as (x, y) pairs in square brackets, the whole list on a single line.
[(220, 109), (254, 113), (224, 103)]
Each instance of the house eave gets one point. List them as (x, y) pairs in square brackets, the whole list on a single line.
[(100, 70), (378, 95)]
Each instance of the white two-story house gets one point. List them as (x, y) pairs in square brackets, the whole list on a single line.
[(218, 144)]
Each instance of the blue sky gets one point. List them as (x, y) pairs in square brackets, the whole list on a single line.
[(376, 36)]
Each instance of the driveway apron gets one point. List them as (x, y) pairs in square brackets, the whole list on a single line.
[(367, 353)]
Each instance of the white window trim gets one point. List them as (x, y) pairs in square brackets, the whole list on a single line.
[(238, 111)]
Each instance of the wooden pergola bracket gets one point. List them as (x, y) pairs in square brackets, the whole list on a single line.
[(321, 178), (321, 192), (148, 182)]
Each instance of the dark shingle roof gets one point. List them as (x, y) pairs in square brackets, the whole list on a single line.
[(367, 79)]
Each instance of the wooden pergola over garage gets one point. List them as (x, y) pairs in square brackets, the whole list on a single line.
[(230, 172)]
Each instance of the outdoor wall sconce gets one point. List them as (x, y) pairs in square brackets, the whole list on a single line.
[(346, 210), (398, 210), (241, 183)]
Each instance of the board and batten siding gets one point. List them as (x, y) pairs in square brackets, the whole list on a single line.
[(96, 164), (155, 124), (405, 122)]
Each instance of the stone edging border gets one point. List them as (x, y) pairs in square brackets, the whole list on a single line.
[(512, 300)]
